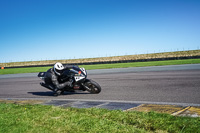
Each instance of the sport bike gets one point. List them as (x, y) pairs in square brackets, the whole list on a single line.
[(80, 81)]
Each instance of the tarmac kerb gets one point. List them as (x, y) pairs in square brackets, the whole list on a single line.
[(176, 109)]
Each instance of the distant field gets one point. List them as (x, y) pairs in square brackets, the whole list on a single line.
[(104, 66), (190, 53)]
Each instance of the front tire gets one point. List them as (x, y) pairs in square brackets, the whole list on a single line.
[(92, 87)]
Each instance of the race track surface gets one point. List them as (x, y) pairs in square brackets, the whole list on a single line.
[(169, 84)]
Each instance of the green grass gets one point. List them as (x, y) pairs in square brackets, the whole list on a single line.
[(104, 66), (23, 70), (16, 118), (143, 64)]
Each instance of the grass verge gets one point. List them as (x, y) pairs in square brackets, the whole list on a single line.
[(104, 66), (143, 64), (39, 118)]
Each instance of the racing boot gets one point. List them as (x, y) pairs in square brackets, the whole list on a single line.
[(57, 92)]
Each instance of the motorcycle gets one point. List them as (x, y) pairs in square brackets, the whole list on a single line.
[(79, 76)]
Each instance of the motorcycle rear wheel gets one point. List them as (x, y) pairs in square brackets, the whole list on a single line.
[(92, 87)]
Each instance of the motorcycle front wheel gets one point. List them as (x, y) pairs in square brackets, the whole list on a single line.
[(92, 87)]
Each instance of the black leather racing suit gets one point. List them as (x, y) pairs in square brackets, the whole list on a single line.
[(52, 79)]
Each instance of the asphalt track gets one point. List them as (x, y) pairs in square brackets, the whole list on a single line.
[(176, 84)]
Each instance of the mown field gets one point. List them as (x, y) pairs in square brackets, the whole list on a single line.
[(104, 66), (15, 118), (105, 59)]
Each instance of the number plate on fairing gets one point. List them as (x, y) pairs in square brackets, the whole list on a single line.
[(77, 78)]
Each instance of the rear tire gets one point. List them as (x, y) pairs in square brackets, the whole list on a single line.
[(92, 87)]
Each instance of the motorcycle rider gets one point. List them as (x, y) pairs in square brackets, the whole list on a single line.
[(53, 77)]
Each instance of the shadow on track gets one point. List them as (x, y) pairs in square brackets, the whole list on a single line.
[(49, 93)]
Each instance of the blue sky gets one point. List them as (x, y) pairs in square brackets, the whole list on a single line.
[(67, 29)]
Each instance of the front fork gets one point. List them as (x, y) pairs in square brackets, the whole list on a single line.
[(85, 86)]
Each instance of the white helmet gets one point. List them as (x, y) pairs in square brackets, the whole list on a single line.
[(58, 68)]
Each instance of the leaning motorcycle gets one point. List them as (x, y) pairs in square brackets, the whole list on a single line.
[(79, 76)]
